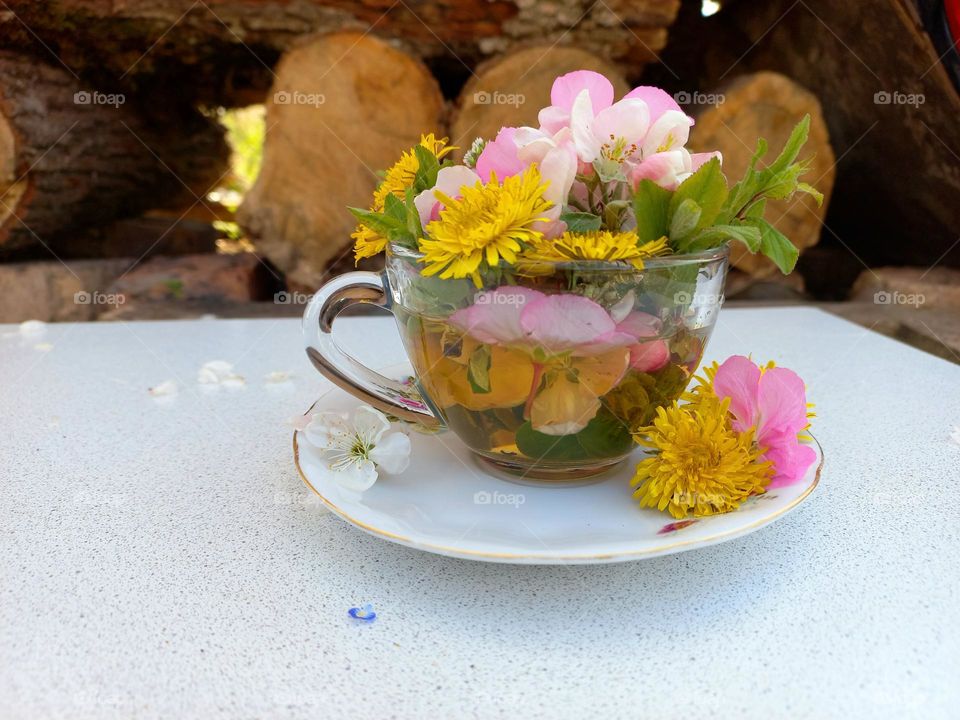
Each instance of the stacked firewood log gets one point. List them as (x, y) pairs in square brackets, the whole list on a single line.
[(105, 106)]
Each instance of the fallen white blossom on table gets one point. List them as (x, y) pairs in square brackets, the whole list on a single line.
[(33, 328), (355, 448), (219, 372), (168, 387), (277, 376)]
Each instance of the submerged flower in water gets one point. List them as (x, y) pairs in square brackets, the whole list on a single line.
[(488, 222), (367, 241), (353, 449), (576, 350), (700, 464)]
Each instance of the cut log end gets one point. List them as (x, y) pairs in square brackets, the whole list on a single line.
[(343, 107)]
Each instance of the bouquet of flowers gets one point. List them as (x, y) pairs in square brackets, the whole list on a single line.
[(555, 289), (598, 180)]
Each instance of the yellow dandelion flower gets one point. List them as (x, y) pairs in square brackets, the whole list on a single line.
[(487, 223), (596, 245), (700, 464), (368, 242)]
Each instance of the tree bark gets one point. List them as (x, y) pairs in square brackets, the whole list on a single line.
[(70, 157), (221, 50), (891, 110)]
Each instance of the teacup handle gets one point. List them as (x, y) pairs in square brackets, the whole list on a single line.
[(345, 371)]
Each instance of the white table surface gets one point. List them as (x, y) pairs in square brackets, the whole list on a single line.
[(161, 558)]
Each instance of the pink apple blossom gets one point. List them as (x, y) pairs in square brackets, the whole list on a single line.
[(670, 168), (450, 180)]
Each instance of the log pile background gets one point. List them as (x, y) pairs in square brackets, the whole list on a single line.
[(349, 84)]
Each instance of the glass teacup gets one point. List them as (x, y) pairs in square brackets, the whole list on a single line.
[(546, 369)]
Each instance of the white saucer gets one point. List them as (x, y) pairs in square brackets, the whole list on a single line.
[(446, 503)]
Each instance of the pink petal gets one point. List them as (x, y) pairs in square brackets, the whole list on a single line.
[(500, 156), (581, 128), (605, 343), (790, 460), (649, 356), (737, 378), (553, 119), (450, 181), (566, 88), (782, 403), (669, 132), (559, 169), (559, 323), (665, 169), (494, 317), (627, 119), (698, 159), (640, 325), (656, 99)]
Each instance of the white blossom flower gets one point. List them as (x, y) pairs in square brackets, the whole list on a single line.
[(33, 328), (354, 449), (168, 387), (219, 372), (277, 377)]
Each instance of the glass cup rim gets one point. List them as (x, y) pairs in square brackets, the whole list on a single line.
[(718, 253)]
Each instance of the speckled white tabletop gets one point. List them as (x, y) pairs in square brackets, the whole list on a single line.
[(160, 558)]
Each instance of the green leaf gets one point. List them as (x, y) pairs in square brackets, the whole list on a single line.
[(791, 149), (613, 213), (540, 446), (811, 190), (746, 189), (580, 222), (707, 187), (757, 209), (478, 369), (650, 205), (413, 215), (428, 167), (683, 222), (719, 234), (395, 208), (779, 180), (605, 436), (378, 222), (776, 246)]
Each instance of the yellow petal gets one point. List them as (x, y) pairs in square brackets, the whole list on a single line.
[(564, 406), (511, 374), (601, 373)]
